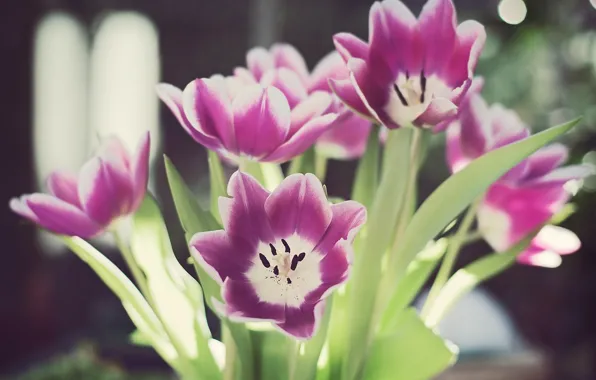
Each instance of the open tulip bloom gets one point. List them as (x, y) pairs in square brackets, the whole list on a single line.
[(308, 286)]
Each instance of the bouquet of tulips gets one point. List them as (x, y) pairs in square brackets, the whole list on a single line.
[(309, 286)]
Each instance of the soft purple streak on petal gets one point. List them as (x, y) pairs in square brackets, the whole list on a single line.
[(562, 175), (172, 97), (299, 205), (63, 186), (243, 304), (438, 24), (456, 158), (140, 171), (347, 219), (288, 82), (471, 37), (302, 140), (262, 120), (346, 92), (476, 131), (259, 61), (331, 66), (244, 215), (61, 217), (245, 76), (19, 206), (209, 109), (334, 268), (438, 110), (393, 41), (113, 151), (221, 256), (103, 194), (350, 46), (546, 159), (347, 137), (317, 104), (302, 323), (285, 55)]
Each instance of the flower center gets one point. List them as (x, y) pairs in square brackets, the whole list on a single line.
[(410, 90), (284, 263)]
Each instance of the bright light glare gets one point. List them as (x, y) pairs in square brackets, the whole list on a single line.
[(512, 11), (593, 2)]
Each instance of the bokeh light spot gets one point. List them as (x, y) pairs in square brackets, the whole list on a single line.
[(513, 11)]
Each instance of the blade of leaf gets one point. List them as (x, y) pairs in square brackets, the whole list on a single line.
[(367, 174), (413, 352), (459, 190), (176, 295), (218, 182)]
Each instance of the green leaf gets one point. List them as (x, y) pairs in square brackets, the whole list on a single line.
[(378, 234), (138, 338), (459, 190), (176, 296), (133, 301), (418, 271), (193, 220), (413, 352), (271, 350), (304, 163), (308, 354), (367, 174), (218, 182), (465, 279), (272, 175)]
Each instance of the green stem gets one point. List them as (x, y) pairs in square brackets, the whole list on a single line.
[(230, 366), (472, 237), (448, 263), (293, 353), (320, 166), (136, 271)]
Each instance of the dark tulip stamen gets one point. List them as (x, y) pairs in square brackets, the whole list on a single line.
[(289, 281), (273, 250), (301, 256), (264, 260), (276, 271), (294, 262), (400, 95), (285, 243), (422, 86)]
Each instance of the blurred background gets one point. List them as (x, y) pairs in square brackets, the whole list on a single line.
[(75, 71)]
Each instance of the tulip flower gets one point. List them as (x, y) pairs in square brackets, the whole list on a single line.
[(284, 67), (411, 71), (280, 254), (109, 186), (524, 198), (248, 121)]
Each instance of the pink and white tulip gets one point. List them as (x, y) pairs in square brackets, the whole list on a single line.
[(411, 71), (109, 186)]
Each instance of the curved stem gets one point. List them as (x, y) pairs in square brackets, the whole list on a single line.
[(136, 271), (230, 364), (320, 166), (446, 268)]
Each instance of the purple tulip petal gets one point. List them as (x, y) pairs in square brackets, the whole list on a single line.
[(244, 214), (476, 132), (243, 304), (221, 256), (302, 323), (438, 24), (140, 171), (209, 110), (335, 267), (437, 111), (546, 160), (172, 97), (63, 186), (470, 42), (285, 55), (344, 90), (302, 140), (58, 216), (350, 46), (299, 205), (560, 176), (347, 219), (557, 239), (317, 104), (259, 61), (262, 120), (456, 158), (346, 139), (288, 82), (104, 194), (539, 257), (331, 66)]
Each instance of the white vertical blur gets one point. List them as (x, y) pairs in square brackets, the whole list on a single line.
[(60, 128), (125, 68), (265, 22)]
